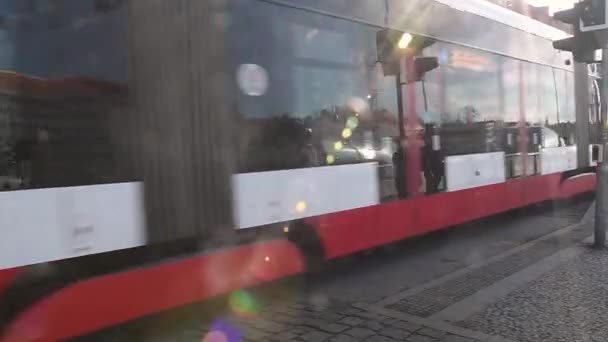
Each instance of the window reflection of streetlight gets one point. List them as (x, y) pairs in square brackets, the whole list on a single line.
[(405, 41), (368, 153)]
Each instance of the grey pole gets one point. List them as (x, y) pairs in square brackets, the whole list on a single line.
[(601, 201)]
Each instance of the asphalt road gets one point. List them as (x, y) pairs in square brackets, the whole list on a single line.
[(330, 305)]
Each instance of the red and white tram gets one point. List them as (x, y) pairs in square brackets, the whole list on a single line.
[(157, 153)]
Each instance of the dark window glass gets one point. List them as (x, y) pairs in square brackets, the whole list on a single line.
[(62, 88)]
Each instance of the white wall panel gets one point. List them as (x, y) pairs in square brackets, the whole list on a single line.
[(269, 197), (49, 224), (558, 159), (473, 170)]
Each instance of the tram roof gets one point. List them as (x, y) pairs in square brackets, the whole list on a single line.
[(489, 10)]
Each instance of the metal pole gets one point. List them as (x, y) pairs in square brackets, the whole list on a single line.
[(601, 201)]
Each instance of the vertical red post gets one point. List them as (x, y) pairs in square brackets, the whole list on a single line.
[(413, 139)]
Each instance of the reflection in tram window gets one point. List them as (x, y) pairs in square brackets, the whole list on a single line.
[(61, 88), (472, 115), (326, 91), (566, 116)]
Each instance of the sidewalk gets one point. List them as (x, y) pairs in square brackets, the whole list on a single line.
[(554, 288)]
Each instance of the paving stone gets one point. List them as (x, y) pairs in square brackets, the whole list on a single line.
[(351, 320), (316, 308), (299, 330), (255, 335), (431, 332), (388, 320), (373, 325), (395, 333), (334, 327), (287, 311), (283, 319), (268, 326), (379, 338), (456, 338), (368, 315), (315, 336), (420, 338), (330, 317), (411, 327), (350, 311), (313, 322), (284, 336), (360, 333), (343, 338), (296, 305)]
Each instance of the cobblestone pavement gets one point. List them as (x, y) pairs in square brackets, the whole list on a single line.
[(436, 298), (568, 304), (298, 321)]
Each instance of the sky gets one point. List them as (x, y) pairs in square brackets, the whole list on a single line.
[(554, 5)]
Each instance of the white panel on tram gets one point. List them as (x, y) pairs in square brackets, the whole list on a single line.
[(557, 159), (473, 170), (276, 196), (43, 225)]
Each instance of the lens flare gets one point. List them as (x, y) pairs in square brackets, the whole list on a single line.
[(243, 304), (357, 104), (338, 145), (215, 336), (346, 133), (352, 122), (221, 331), (330, 159)]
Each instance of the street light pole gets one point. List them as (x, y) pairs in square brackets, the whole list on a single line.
[(601, 201)]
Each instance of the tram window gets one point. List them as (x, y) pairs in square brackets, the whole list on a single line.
[(532, 87), (565, 126), (70, 65), (570, 111), (323, 81), (510, 83), (547, 96), (472, 107)]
